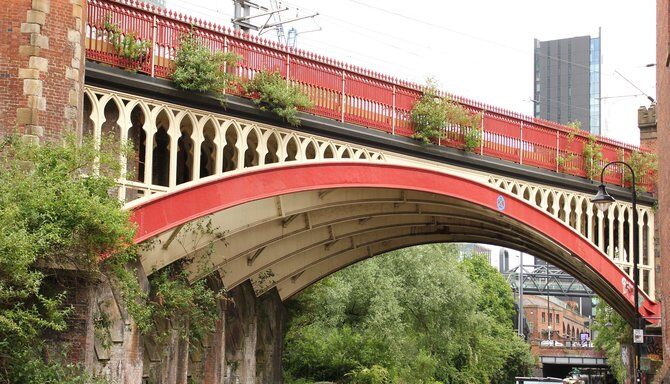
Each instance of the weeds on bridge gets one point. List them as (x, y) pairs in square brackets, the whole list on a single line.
[(432, 116), (197, 68), (271, 92)]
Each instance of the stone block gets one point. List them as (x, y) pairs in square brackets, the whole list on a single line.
[(37, 102), (71, 113), (39, 63), (36, 130), (27, 73), (73, 36), (77, 10), (75, 63), (30, 139), (27, 116), (29, 50), (30, 28), (39, 40), (38, 17), (32, 87), (73, 97), (72, 73), (42, 5)]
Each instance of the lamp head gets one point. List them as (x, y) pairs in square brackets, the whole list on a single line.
[(602, 199)]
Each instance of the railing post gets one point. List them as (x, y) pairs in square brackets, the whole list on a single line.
[(481, 141), (288, 68), (343, 97), (521, 144), (153, 47), (557, 152), (225, 64), (393, 112)]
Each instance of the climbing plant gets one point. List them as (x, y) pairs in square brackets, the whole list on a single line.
[(197, 68), (612, 333), (56, 217), (127, 44), (271, 92)]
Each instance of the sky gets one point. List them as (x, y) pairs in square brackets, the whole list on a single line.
[(480, 49)]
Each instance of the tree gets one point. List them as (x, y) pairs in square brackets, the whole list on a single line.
[(406, 317), (612, 332)]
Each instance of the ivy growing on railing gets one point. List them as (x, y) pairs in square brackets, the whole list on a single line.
[(431, 114), (197, 68), (271, 92), (127, 44)]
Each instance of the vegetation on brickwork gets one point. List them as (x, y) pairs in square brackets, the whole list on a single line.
[(57, 218), (271, 92), (127, 44), (431, 114), (417, 315), (612, 332), (55, 215), (197, 68)]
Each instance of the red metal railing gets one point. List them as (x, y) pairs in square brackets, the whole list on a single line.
[(344, 92)]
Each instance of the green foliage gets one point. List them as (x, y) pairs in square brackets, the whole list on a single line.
[(55, 211), (432, 113), (593, 157), (472, 139), (406, 317), (612, 331), (191, 308), (565, 159), (373, 375), (643, 164), (273, 93), (127, 44), (197, 68)]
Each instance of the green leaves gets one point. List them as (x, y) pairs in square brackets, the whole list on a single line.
[(56, 213), (612, 332), (431, 114), (417, 315), (273, 93), (200, 69)]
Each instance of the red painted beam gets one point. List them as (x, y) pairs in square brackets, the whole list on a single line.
[(166, 211)]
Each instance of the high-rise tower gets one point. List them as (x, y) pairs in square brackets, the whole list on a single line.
[(567, 81)]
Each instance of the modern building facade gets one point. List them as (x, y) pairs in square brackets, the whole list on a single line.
[(567, 81)]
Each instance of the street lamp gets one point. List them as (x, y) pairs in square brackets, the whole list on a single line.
[(602, 200)]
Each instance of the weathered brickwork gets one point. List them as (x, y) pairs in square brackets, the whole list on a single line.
[(41, 67), (663, 128)]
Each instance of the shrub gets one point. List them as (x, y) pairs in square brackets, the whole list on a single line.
[(127, 44), (431, 114), (200, 69), (273, 93)]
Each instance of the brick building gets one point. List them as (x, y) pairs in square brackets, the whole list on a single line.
[(663, 129), (563, 317)]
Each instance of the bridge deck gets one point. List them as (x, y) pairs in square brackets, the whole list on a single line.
[(346, 93)]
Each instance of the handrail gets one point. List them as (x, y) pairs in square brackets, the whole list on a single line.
[(346, 92)]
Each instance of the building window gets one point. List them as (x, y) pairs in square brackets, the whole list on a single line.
[(544, 320), (558, 318)]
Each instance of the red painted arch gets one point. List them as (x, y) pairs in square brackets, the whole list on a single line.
[(183, 205)]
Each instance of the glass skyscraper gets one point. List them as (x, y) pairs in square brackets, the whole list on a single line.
[(567, 81)]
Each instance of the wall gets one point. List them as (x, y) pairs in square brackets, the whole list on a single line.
[(663, 128), (41, 67)]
